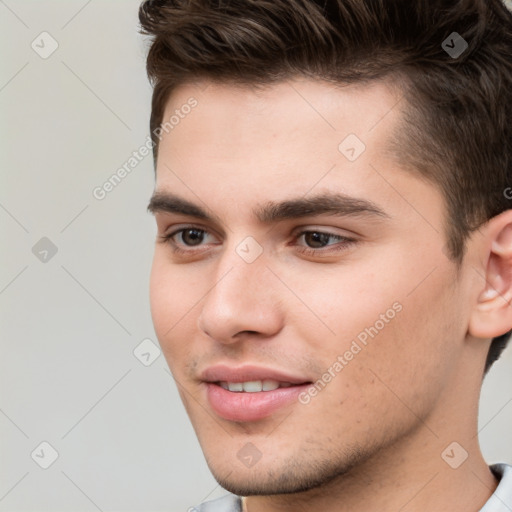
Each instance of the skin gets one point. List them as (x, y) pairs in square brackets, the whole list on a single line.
[(372, 439)]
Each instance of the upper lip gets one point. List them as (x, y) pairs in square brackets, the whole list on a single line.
[(224, 373)]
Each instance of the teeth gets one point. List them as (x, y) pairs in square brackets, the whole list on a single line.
[(270, 385), (235, 386), (254, 386)]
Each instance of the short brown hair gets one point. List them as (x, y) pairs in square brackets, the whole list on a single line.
[(456, 129)]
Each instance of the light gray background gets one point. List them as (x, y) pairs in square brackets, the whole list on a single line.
[(70, 325)]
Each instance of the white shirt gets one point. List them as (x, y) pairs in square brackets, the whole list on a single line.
[(501, 500)]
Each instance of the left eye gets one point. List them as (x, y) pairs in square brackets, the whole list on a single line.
[(318, 239)]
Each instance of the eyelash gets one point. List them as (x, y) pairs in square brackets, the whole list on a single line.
[(346, 241)]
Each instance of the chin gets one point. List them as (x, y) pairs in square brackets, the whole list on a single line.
[(285, 476)]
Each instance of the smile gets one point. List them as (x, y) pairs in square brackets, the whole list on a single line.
[(254, 386)]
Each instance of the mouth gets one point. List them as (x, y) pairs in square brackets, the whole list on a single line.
[(237, 394), (253, 386)]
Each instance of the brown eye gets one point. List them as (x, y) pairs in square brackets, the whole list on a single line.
[(191, 236), (189, 239), (316, 243), (316, 239)]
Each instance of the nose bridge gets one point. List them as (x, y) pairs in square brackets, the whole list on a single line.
[(241, 269), (240, 297)]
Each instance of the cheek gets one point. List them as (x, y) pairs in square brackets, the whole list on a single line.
[(384, 325), (334, 305), (172, 298), (412, 358), (160, 297)]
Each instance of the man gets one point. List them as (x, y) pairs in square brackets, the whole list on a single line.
[(333, 269)]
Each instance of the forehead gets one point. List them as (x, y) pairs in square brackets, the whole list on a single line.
[(282, 140), (285, 111), (287, 121)]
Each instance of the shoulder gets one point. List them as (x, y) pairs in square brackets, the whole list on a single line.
[(228, 503)]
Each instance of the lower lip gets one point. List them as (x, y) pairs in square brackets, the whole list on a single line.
[(244, 406)]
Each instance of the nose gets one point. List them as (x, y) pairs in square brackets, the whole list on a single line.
[(243, 300)]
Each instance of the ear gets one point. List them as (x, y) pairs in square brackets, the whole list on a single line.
[(492, 313)]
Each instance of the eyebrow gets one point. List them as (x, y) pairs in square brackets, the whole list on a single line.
[(336, 204)]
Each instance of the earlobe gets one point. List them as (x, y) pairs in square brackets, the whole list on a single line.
[(492, 313)]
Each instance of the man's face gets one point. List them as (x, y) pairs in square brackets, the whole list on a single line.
[(365, 304)]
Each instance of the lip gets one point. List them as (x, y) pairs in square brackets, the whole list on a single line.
[(246, 407), (246, 373)]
